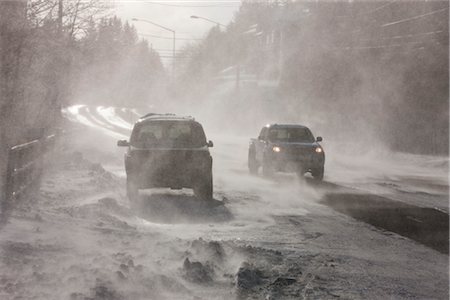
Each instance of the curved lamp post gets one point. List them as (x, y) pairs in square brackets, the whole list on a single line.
[(174, 39), (208, 20)]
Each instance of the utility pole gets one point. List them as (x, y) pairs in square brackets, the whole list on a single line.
[(280, 55), (63, 67), (12, 30), (173, 57), (238, 77), (60, 16)]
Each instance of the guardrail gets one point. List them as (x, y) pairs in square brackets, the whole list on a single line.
[(25, 166)]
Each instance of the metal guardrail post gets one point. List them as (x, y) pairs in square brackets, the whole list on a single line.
[(24, 168), (9, 188)]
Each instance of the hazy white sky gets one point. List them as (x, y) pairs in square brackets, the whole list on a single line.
[(175, 15)]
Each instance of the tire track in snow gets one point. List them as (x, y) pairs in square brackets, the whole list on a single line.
[(90, 117)]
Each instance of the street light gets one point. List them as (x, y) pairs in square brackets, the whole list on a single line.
[(174, 38), (209, 20)]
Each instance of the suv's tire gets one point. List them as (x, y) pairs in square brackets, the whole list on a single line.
[(267, 168), (252, 162), (301, 173), (204, 188), (317, 173), (132, 190)]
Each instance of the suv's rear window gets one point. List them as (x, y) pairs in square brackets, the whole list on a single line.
[(291, 135), (168, 134)]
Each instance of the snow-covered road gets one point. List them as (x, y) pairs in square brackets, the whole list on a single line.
[(279, 238), (418, 179)]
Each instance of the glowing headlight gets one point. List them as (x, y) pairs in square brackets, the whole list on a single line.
[(319, 150), (276, 149)]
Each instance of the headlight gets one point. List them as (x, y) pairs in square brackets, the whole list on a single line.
[(276, 149), (319, 150)]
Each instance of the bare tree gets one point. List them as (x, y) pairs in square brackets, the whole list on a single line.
[(12, 26), (72, 16), (36, 43)]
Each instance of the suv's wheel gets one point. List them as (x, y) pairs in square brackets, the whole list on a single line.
[(267, 168), (317, 173), (132, 190), (301, 172), (204, 187), (252, 162)]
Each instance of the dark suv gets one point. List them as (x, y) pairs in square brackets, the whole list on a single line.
[(286, 148), (168, 151)]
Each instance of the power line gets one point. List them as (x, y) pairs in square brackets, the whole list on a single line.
[(391, 48), (422, 45), (415, 17), (370, 11), (360, 30), (381, 46), (168, 38), (166, 50), (430, 33), (378, 8), (171, 57), (396, 50), (195, 6)]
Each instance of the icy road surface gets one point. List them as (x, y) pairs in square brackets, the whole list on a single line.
[(376, 228)]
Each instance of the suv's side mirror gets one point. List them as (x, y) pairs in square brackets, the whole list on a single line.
[(210, 144), (319, 139), (123, 143)]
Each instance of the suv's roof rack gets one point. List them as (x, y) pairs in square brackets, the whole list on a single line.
[(285, 125), (155, 114), (165, 116)]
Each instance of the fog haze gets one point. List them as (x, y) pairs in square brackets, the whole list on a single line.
[(360, 211)]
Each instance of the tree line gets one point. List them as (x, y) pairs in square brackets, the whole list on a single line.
[(373, 69), (57, 52)]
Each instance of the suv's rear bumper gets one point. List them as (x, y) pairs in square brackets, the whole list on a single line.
[(167, 177), (169, 169)]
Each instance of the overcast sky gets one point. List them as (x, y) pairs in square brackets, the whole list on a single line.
[(175, 15)]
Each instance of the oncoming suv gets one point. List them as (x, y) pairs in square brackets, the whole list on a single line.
[(168, 151), (286, 148)]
